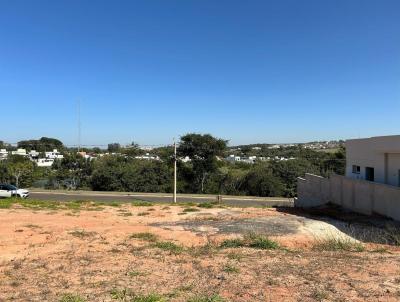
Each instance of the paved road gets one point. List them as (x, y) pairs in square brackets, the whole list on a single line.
[(245, 201)]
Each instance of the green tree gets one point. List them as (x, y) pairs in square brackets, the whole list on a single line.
[(117, 173), (203, 151), (114, 147), (20, 170), (41, 145), (260, 181)]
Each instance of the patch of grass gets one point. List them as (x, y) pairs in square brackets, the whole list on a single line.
[(187, 210), (71, 298), (379, 250), (148, 298), (185, 204), (32, 226), (127, 295), (393, 234), (231, 269), (260, 242), (206, 205), (135, 274), (6, 203), (145, 236), (76, 205), (39, 204), (120, 294), (141, 203), (208, 249), (319, 295), (171, 247), (212, 298), (235, 256), (233, 243), (125, 214), (338, 244), (252, 240), (143, 214), (82, 234)]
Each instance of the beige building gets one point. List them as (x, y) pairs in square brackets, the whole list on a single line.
[(374, 159)]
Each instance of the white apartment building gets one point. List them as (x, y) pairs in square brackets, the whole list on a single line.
[(374, 159)]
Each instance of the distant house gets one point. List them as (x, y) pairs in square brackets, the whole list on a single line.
[(3, 154), (33, 154), (44, 162), (21, 152), (234, 158), (147, 156), (54, 155), (374, 159)]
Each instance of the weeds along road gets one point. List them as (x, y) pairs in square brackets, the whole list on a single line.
[(240, 201)]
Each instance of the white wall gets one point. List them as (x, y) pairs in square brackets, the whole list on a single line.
[(357, 195), (381, 153)]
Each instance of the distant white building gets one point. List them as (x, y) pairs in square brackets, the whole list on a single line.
[(185, 159), (54, 155), (21, 152), (33, 154), (45, 162), (3, 154), (147, 156), (374, 159), (233, 158)]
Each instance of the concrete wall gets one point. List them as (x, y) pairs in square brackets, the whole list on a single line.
[(381, 153), (357, 195)]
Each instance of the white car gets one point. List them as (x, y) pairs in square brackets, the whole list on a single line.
[(11, 191)]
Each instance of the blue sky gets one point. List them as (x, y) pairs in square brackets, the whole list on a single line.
[(247, 71)]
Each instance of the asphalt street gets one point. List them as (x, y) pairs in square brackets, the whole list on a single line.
[(240, 201)]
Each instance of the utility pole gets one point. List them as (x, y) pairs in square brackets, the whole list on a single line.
[(175, 159), (79, 125)]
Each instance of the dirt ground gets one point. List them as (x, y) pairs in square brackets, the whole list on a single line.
[(109, 254)]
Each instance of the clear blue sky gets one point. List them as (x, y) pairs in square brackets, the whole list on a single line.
[(248, 71)]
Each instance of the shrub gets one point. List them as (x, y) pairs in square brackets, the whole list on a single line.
[(338, 244), (145, 236)]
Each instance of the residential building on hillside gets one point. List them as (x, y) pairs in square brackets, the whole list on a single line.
[(3, 154), (147, 156), (374, 159), (54, 154), (21, 152), (44, 162)]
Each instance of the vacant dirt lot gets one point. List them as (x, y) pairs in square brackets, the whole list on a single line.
[(134, 252)]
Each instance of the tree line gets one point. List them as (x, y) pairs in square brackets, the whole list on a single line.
[(207, 172)]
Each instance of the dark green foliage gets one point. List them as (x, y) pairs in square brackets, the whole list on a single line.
[(41, 145), (117, 173), (203, 150)]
